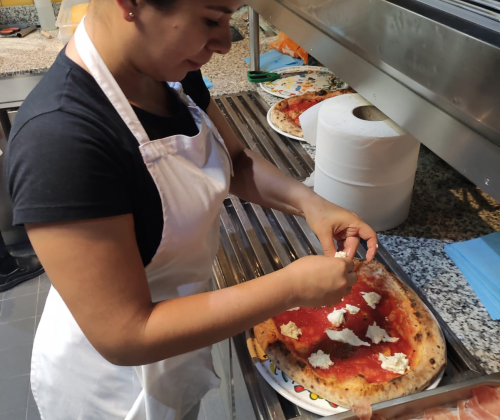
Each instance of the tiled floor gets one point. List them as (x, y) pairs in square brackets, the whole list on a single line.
[(20, 310)]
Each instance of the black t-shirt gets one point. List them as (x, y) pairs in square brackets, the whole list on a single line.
[(71, 157)]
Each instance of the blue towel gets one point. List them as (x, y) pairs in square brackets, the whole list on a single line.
[(479, 261), (208, 83), (273, 60)]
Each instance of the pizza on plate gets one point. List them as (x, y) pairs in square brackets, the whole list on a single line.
[(380, 342), (285, 114)]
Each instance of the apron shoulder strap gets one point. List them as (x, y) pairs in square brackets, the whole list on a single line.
[(177, 86)]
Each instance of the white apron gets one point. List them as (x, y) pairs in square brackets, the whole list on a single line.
[(70, 380)]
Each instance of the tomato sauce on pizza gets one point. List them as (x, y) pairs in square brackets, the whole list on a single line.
[(350, 361), (379, 342)]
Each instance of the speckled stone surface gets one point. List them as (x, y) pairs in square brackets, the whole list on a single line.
[(425, 261), (23, 14), (32, 54)]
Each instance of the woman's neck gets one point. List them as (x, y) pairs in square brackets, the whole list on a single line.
[(141, 90)]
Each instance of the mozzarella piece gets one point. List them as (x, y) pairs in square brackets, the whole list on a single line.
[(294, 309), (341, 254), (337, 317), (397, 363), (346, 336), (291, 330), (371, 299), (377, 334), (353, 310), (320, 360)]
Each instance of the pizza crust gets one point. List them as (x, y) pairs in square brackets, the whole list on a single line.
[(286, 124), (427, 363)]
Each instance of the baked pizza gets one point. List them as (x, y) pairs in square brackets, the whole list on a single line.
[(380, 342), (285, 114)]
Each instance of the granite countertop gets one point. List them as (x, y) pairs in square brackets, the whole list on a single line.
[(33, 54), (445, 207)]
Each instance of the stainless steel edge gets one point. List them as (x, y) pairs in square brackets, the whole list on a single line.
[(253, 21), (417, 403), (449, 6), (257, 248), (264, 399), (434, 81), (14, 89)]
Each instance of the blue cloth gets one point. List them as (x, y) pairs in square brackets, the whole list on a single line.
[(208, 83), (273, 60), (479, 261)]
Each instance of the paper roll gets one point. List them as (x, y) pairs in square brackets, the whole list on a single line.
[(364, 161)]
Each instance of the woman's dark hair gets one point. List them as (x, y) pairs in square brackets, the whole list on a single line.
[(162, 4)]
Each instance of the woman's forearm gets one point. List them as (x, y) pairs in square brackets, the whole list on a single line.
[(259, 181), (184, 324)]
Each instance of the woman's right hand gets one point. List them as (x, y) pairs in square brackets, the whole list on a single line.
[(320, 281)]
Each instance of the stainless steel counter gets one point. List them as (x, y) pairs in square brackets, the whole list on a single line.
[(431, 68), (257, 241)]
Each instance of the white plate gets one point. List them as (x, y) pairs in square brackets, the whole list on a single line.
[(293, 391), (277, 129), (318, 78)]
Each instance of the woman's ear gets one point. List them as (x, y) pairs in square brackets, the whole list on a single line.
[(129, 9)]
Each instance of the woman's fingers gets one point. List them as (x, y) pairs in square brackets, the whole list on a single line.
[(352, 279), (372, 248), (326, 239), (351, 246)]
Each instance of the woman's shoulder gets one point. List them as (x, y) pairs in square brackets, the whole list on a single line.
[(67, 95)]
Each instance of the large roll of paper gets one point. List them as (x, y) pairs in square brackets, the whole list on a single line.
[(364, 161)]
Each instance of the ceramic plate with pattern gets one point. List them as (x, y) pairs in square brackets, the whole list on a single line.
[(317, 78), (291, 390), (279, 130)]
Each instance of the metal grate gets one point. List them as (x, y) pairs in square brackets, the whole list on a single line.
[(256, 241)]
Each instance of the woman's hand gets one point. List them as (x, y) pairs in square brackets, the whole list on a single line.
[(329, 221), (317, 280)]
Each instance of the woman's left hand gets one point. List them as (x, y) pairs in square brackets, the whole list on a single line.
[(329, 221)]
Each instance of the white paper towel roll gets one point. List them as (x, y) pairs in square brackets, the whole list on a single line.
[(364, 161)]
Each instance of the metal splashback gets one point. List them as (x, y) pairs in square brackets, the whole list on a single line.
[(436, 73), (256, 241)]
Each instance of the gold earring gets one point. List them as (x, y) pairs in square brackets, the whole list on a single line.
[(131, 14)]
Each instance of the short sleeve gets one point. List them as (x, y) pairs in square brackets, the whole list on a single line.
[(63, 168), (194, 86)]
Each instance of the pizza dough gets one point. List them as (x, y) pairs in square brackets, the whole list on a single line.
[(412, 349), (285, 114)]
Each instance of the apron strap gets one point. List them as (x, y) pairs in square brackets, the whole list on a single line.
[(107, 82)]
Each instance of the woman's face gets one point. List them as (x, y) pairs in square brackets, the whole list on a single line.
[(167, 44)]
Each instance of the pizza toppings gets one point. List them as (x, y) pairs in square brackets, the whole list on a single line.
[(341, 254), (397, 363), (377, 334), (363, 363), (320, 360), (337, 317), (346, 336), (353, 310), (371, 298), (291, 330)]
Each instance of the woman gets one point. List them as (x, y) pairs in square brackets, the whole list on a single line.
[(119, 179)]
